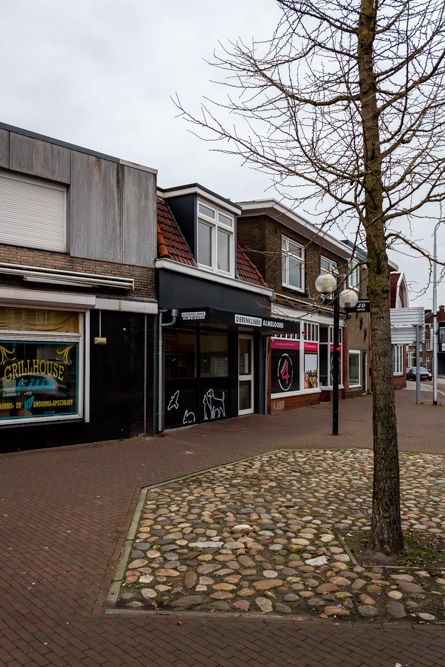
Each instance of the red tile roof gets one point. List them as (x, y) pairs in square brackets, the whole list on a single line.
[(247, 270), (172, 245)]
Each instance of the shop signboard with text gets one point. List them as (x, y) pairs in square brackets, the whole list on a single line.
[(38, 379)]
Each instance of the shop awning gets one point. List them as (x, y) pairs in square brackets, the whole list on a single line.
[(267, 325)]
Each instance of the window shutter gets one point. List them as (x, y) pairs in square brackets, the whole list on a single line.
[(32, 213)]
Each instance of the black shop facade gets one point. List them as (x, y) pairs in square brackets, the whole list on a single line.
[(213, 348)]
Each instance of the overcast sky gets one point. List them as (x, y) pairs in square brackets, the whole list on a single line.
[(101, 74)]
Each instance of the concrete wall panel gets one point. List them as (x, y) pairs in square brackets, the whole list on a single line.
[(4, 149), (39, 158), (138, 216), (95, 209)]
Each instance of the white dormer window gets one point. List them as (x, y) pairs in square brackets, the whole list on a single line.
[(216, 240)]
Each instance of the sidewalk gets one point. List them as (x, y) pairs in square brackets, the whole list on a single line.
[(65, 513)]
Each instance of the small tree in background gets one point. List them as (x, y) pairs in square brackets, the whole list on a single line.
[(345, 104)]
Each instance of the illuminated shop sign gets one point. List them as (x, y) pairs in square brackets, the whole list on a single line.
[(38, 379)]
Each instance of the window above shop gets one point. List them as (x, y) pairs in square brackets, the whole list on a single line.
[(32, 212), (292, 257), (328, 266), (216, 240), (354, 274)]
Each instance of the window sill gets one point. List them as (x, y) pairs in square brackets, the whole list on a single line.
[(300, 290), (216, 272), (300, 392)]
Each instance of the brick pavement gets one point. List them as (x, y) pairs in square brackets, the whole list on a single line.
[(65, 511)]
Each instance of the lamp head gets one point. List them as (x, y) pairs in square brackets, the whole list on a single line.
[(348, 299), (325, 283)]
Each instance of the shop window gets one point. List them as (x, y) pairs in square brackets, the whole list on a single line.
[(38, 380), (216, 242), (354, 368), (311, 332), (32, 212), (285, 364), (292, 264), (214, 355), (180, 354), (40, 365)]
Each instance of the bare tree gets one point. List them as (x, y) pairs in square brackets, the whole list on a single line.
[(345, 104)]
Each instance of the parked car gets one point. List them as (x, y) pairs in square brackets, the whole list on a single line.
[(424, 374)]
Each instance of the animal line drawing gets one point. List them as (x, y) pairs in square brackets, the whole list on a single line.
[(174, 401), (214, 408)]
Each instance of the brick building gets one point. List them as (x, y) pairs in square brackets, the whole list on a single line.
[(215, 312), (77, 293), (290, 253), (358, 343)]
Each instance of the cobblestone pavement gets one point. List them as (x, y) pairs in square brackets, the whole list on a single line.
[(65, 513), (270, 535)]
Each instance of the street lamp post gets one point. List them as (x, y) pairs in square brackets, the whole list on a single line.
[(327, 284), (435, 332)]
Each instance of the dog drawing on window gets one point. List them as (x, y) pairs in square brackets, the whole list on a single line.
[(214, 408)]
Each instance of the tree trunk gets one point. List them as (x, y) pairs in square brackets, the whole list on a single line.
[(386, 530)]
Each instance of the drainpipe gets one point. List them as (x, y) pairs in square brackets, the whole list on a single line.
[(174, 313)]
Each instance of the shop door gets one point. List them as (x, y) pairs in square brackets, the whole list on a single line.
[(245, 375)]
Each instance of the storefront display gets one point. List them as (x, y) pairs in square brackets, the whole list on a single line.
[(285, 365), (39, 364), (38, 379)]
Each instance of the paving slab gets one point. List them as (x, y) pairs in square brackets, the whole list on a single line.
[(65, 514)]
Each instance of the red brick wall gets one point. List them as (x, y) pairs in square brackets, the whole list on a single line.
[(260, 238)]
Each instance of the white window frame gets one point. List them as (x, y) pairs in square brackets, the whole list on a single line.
[(397, 360), (354, 274), (217, 222), (355, 353), (32, 212), (287, 256), (331, 266)]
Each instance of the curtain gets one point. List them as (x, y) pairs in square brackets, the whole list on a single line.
[(25, 319)]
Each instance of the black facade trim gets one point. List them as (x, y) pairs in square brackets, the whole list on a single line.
[(266, 325)]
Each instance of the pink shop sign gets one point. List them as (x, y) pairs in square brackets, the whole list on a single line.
[(285, 344)]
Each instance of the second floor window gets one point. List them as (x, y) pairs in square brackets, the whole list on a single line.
[(32, 212), (216, 244), (328, 266), (292, 264), (354, 274)]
